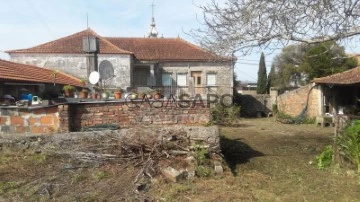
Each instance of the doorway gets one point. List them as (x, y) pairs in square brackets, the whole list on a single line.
[(197, 81)]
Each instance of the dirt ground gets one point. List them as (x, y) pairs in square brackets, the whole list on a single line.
[(263, 160)]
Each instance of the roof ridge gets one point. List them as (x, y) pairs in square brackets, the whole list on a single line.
[(56, 40)]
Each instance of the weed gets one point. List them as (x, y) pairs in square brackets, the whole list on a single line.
[(349, 143), (324, 159), (203, 162), (78, 178), (99, 175), (8, 186), (37, 158), (222, 115)]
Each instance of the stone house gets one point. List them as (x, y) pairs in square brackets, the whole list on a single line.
[(326, 96), (171, 64), (15, 78)]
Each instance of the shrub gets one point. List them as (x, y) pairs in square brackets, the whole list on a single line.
[(324, 159), (223, 115), (349, 143)]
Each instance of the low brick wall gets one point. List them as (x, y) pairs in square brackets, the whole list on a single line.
[(126, 114), (77, 116), (29, 120)]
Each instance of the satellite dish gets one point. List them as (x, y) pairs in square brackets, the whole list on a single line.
[(94, 77), (106, 70)]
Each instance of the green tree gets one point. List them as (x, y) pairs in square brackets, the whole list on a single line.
[(325, 59), (299, 64), (262, 76)]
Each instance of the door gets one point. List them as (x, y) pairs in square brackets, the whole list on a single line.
[(198, 82)]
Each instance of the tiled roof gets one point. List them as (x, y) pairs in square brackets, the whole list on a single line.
[(152, 49), (27, 73), (163, 49), (348, 77), (73, 45)]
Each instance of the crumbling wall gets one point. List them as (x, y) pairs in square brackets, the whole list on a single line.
[(78, 116)]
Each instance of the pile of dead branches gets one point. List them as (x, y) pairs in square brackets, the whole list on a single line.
[(138, 150)]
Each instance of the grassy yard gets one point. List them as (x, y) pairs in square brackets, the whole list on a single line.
[(270, 161), (266, 161)]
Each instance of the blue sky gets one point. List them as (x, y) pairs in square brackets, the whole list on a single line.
[(27, 23)]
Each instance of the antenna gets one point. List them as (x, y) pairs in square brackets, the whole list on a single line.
[(87, 20), (152, 9)]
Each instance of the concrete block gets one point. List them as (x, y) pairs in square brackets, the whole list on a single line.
[(174, 175), (218, 167)]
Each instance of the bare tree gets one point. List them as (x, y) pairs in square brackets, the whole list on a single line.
[(245, 25)]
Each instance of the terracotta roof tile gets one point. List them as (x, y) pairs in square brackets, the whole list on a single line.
[(152, 49), (164, 49), (348, 77), (73, 44), (27, 73)]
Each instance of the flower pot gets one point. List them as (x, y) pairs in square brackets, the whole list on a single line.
[(117, 94), (157, 96), (83, 94), (69, 93), (94, 96), (141, 96)]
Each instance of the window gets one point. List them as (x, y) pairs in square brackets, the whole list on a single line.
[(166, 79), (211, 79), (181, 79)]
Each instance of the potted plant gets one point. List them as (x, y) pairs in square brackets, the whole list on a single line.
[(118, 93), (157, 94), (95, 94), (84, 91), (69, 90)]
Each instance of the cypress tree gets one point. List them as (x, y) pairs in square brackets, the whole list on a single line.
[(262, 76)]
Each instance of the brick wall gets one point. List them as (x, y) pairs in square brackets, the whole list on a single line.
[(126, 114), (36, 121), (77, 116), (294, 101)]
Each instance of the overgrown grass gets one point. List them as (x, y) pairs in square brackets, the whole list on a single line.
[(8, 187), (349, 143)]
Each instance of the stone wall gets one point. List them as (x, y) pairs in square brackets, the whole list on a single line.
[(36, 121), (76, 65), (78, 116), (293, 102)]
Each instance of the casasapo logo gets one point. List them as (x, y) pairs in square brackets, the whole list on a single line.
[(182, 101)]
